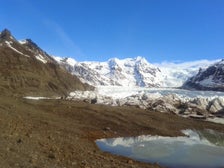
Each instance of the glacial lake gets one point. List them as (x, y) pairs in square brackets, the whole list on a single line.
[(197, 149)]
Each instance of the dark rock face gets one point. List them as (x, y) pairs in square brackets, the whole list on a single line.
[(36, 50), (26, 69), (211, 78), (5, 35)]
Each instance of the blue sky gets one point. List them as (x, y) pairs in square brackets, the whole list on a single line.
[(96, 30)]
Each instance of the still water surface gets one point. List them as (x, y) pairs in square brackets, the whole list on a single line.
[(198, 149)]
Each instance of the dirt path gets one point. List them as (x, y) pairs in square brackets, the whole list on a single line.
[(60, 133)]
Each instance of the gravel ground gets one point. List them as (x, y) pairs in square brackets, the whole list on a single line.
[(61, 134)]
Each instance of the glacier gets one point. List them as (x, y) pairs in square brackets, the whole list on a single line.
[(136, 82)]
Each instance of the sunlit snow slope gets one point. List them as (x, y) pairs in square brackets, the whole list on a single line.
[(132, 72)]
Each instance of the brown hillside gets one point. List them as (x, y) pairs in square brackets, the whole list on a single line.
[(22, 73)]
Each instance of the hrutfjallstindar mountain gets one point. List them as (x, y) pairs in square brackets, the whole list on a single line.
[(127, 72), (134, 72)]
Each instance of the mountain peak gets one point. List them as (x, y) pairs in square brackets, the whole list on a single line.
[(6, 35), (114, 60), (5, 32), (139, 58)]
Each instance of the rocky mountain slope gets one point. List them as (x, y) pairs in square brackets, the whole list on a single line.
[(26, 69), (211, 78)]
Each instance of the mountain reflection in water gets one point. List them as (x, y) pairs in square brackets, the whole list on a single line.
[(195, 150)]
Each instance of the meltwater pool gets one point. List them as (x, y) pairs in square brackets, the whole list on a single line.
[(197, 149)]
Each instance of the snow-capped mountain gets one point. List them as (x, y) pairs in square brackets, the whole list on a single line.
[(211, 78), (127, 72), (83, 72), (133, 72)]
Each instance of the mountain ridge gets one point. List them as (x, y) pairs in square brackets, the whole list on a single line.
[(137, 72), (25, 69), (128, 72)]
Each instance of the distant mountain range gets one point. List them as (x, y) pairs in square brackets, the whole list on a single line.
[(137, 72), (26, 69), (127, 72)]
